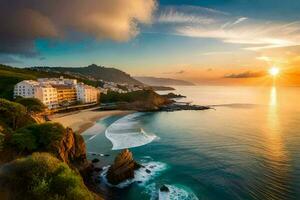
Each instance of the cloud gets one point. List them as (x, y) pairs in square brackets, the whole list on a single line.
[(176, 72), (22, 22), (8, 59), (253, 34), (247, 74), (180, 72), (188, 15)]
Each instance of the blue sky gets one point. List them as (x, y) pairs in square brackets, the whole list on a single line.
[(181, 35)]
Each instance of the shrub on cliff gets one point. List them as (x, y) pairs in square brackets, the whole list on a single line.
[(13, 115), (32, 104), (38, 137), (42, 176), (140, 95)]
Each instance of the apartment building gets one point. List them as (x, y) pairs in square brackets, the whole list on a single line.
[(25, 88), (56, 92), (66, 94), (58, 81), (47, 95), (87, 94), (33, 89)]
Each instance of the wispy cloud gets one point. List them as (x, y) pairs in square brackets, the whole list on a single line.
[(247, 74), (253, 34), (188, 15)]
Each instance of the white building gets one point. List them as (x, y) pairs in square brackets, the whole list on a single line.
[(25, 88), (52, 91), (58, 81), (33, 89), (47, 95), (86, 93)]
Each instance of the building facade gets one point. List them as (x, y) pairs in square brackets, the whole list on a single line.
[(47, 95), (57, 92), (25, 89), (87, 94), (66, 94)]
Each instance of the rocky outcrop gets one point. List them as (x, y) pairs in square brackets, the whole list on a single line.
[(123, 168), (172, 95), (72, 150)]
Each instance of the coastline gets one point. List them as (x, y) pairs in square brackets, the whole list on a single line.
[(82, 120)]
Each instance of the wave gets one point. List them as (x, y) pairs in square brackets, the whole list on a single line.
[(177, 192), (149, 171), (128, 133)]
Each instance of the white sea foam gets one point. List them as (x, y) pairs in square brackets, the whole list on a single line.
[(127, 133), (141, 176), (176, 192)]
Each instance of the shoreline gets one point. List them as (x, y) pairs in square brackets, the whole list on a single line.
[(82, 120)]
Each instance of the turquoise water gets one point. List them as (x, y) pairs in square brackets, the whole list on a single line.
[(247, 147)]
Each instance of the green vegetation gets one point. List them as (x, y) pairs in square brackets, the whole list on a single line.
[(140, 95), (10, 76), (13, 115), (141, 100), (32, 104), (42, 176), (38, 137)]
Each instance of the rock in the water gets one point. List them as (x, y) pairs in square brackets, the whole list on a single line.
[(148, 171), (97, 169), (95, 160), (164, 189), (123, 168)]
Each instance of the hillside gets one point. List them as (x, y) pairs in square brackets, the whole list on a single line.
[(142, 100), (95, 72), (153, 81), (9, 76)]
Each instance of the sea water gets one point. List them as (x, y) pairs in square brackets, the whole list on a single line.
[(247, 147)]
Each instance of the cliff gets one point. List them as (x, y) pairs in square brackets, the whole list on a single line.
[(142, 100), (123, 168), (72, 150)]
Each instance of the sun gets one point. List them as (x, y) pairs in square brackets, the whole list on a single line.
[(274, 71)]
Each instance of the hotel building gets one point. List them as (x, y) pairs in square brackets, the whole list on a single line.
[(87, 94), (56, 92)]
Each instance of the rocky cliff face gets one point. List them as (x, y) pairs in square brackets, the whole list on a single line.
[(72, 150), (123, 168)]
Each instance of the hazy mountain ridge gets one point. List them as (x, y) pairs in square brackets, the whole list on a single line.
[(95, 72), (154, 81)]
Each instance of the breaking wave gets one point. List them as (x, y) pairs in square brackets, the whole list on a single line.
[(149, 171), (177, 192), (127, 133)]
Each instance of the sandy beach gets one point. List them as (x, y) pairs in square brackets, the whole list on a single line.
[(81, 120)]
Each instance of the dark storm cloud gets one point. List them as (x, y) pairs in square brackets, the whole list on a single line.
[(22, 22), (247, 74)]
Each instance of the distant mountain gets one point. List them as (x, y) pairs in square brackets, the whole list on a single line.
[(94, 72), (153, 81)]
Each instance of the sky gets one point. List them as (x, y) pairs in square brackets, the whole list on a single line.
[(213, 42)]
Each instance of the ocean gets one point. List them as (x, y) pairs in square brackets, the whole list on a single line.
[(247, 147)]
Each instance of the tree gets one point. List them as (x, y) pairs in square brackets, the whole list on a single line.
[(38, 137), (14, 115), (42, 176), (32, 104)]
